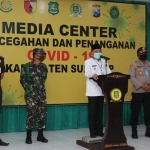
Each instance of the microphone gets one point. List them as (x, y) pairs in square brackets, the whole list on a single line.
[(105, 57)]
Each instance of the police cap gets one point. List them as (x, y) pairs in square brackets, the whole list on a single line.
[(141, 51)]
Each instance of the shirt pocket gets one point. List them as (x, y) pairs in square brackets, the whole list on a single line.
[(140, 72), (94, 69), (103, 72)]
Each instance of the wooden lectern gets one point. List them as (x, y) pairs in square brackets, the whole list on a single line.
[(114, 87)]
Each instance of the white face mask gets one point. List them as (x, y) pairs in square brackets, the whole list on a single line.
[(97, 55)]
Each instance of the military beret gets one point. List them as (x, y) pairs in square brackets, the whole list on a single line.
[(39, 51)]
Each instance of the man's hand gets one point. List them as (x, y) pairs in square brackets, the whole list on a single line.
[(95, 76), (146, 87)]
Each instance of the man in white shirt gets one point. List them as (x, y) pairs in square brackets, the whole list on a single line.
[(94, 67)]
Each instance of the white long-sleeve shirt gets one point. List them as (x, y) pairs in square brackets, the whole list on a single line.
[(93, 66)]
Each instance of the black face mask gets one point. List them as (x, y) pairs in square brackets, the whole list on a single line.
[(143, 57), (41, 58)]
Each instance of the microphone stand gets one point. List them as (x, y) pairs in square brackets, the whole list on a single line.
[(106, 64)]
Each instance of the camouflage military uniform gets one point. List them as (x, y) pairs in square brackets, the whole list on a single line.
[(33, 79)]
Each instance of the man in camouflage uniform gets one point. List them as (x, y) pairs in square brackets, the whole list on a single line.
[(140, 78), (32, 78), (2, 70)]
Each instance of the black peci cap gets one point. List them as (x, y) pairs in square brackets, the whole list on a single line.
[(95, 46)]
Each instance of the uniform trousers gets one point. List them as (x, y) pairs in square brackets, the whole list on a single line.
[(36, 110), (95, 114), (139, 99)]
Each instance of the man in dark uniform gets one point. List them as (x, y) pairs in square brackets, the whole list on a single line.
[(32, 78), (140, 78), (2, 70)]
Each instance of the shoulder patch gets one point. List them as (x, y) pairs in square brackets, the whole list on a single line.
[(131, 66)]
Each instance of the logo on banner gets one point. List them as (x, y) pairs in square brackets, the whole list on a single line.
[(115, 94), (75, 10), (96, 10), (114, 12), (6, 6), (53, 8), (30, 6)]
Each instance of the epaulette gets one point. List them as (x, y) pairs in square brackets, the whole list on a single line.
[(131, 66), (148, 63)]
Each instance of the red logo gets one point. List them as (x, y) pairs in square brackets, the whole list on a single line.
[(30, 6)]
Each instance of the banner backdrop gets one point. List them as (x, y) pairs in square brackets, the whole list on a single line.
[(66, 29)]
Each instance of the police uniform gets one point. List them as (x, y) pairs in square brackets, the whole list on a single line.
[(139, 75), (95, 95), (2, 70), (32, 79)]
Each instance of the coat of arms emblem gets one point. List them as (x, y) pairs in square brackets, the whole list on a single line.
[(53, 8), (6, 6), (96, 10), (30, 6), (116, 94)]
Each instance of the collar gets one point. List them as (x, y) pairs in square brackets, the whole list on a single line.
[(96, 59), (140, 63)]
